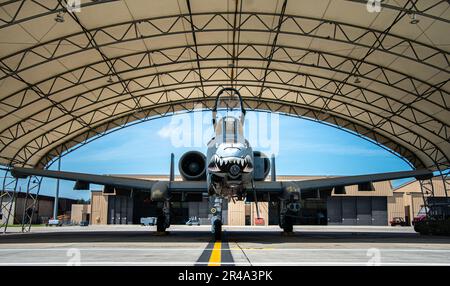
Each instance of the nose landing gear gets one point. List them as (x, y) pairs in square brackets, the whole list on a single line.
[(217, 229), (216, 219)]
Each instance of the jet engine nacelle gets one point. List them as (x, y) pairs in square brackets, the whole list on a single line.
[(261, 166), (192, 166)]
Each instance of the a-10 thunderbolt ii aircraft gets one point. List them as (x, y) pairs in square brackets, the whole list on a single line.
[(231, 169)]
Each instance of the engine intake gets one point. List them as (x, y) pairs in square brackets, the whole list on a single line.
[(261, 165), (192, 166)]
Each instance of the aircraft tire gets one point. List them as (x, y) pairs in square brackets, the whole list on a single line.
[(288, 226), (160, 223), (217, 230)]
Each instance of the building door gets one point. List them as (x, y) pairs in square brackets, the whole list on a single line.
[(334, 210), (120, 210), (274, 216), (349, 211), (111, 211), (248, 220), (379, 211), (364, 210), (407, 212)]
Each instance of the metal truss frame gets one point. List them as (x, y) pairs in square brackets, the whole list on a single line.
[(324, 61), (129, 31), (427, 189), (8, 201), (31, 202), (8, 196), (445, 176), (16, 17)]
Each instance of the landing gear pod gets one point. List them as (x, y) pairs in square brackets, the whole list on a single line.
[(160, 191), (261, 166), (289, 206), (290, 192)]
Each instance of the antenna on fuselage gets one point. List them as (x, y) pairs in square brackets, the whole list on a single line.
[(273, 172), (172, 168)]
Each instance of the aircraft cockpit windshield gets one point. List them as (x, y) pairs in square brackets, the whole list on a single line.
[(228, 116), (228, 104)]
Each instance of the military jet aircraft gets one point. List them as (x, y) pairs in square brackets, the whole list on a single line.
[(231, 169)]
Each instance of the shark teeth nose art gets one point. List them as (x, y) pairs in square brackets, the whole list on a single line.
[(218, 164)]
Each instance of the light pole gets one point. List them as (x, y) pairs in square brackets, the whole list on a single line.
[(55, 205)]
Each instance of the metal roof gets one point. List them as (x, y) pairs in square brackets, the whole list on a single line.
[(67, 77)]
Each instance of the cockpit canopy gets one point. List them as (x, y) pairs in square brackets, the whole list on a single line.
[(228, 116), (228, 104), (229, 130)]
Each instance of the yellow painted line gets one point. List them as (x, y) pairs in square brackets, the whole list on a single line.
[(255, 248), (215, 258)]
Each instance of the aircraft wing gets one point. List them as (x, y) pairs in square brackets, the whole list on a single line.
[(113, 181), (329, 183), (200, 186)]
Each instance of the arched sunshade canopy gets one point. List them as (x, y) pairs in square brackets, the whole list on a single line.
[(68, 76)]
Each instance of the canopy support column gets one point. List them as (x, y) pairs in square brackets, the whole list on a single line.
[(8, 196)]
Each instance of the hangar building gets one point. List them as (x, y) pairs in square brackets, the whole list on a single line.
[(43, 211), (376, 206)]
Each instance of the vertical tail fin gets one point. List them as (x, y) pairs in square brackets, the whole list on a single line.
[(172, 168), (273, 174)]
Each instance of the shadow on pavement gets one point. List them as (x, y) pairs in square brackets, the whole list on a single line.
[(263, 237)]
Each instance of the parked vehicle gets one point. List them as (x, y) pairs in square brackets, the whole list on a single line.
[(438, 220), (193, 221), (421, 215), (147, 221), (55, 222), (84, 223), (398, 221)]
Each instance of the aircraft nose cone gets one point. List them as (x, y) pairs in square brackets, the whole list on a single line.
[(234, 170)]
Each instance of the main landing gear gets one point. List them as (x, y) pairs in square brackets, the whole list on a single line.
[(288, 210), (163, 220)]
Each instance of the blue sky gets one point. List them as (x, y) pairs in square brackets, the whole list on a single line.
[(305, 148)]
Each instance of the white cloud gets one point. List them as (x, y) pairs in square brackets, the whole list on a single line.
[(169, 130)]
